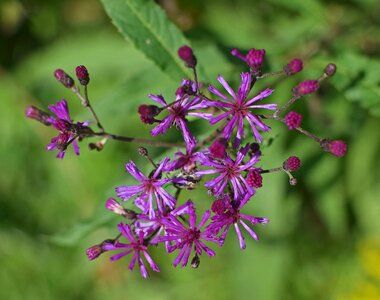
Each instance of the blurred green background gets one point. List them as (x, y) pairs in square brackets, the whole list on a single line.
[(323, 239)]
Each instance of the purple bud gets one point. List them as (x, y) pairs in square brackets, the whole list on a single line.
[(293, 120), (292, 163), (255, 58), (306, 87), (82, 75), (148, 112), (336, 147), (94, 252), (254, 178), (186, 54), (295, 66), (63, 78), (35, 113), (114, 206), (330, 70), (218, 148), (218, 207)]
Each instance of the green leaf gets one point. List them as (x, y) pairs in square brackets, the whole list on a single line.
[(146, 26), (80, 231)]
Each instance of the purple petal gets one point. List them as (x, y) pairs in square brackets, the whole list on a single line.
[(261, 95), (224, 83), (158, 98), (218, 93), (163, 126), (244, 87), (61, 110), (132, 169), (240, 236)]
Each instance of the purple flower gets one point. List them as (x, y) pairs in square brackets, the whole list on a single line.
[(136, 246), (231, 171), (238, 109), (68, 130), (185, 237), (178, 111), (186, 161), (151, 188), (155, 226), (228, 213)]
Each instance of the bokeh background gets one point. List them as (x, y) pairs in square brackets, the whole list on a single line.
[(323, 239)]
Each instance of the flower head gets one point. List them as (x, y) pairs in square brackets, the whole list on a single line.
[(68, 130), (230, 171), (238, 109), (178, 110), (229, 214), (150, 189), (137, 246), (185, 237)]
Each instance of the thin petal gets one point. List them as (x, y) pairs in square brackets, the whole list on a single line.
[(224, 83)]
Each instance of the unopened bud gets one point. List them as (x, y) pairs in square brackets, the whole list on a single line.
[(292, 163), (293, 181), (148, 113), (186, 54), (336, 147), (143, 151), (35, 113), (255, 58), (195, 261), (64, 78), (82, 75), (330, 70), (306, 87), (293, 67), (218, 148)]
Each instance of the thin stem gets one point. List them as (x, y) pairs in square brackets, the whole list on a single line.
[(136, 140), (300, 129), (86, 103), (287, 104), (278, 73), (195, 79), (272, 170), (309, 134)]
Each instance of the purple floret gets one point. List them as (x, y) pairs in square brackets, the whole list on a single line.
[(238, 109)]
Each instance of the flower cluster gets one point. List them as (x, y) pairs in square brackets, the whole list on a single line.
[(227, 162)]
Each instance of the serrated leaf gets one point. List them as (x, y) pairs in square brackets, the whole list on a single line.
[(146, 26)]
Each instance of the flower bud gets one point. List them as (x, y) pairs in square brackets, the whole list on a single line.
[(336, 147), (218, 207), (293, 120), (292, 163), (148, 112), (195, 261), (94, 252), (218, 148), (330, 70), (254, 178), (35, 113), (293, 67), (186, 54), (255, 58), (306, 87), (82, 75), (63, 78)]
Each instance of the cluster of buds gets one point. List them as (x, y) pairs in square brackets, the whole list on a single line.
[(227, 162)]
